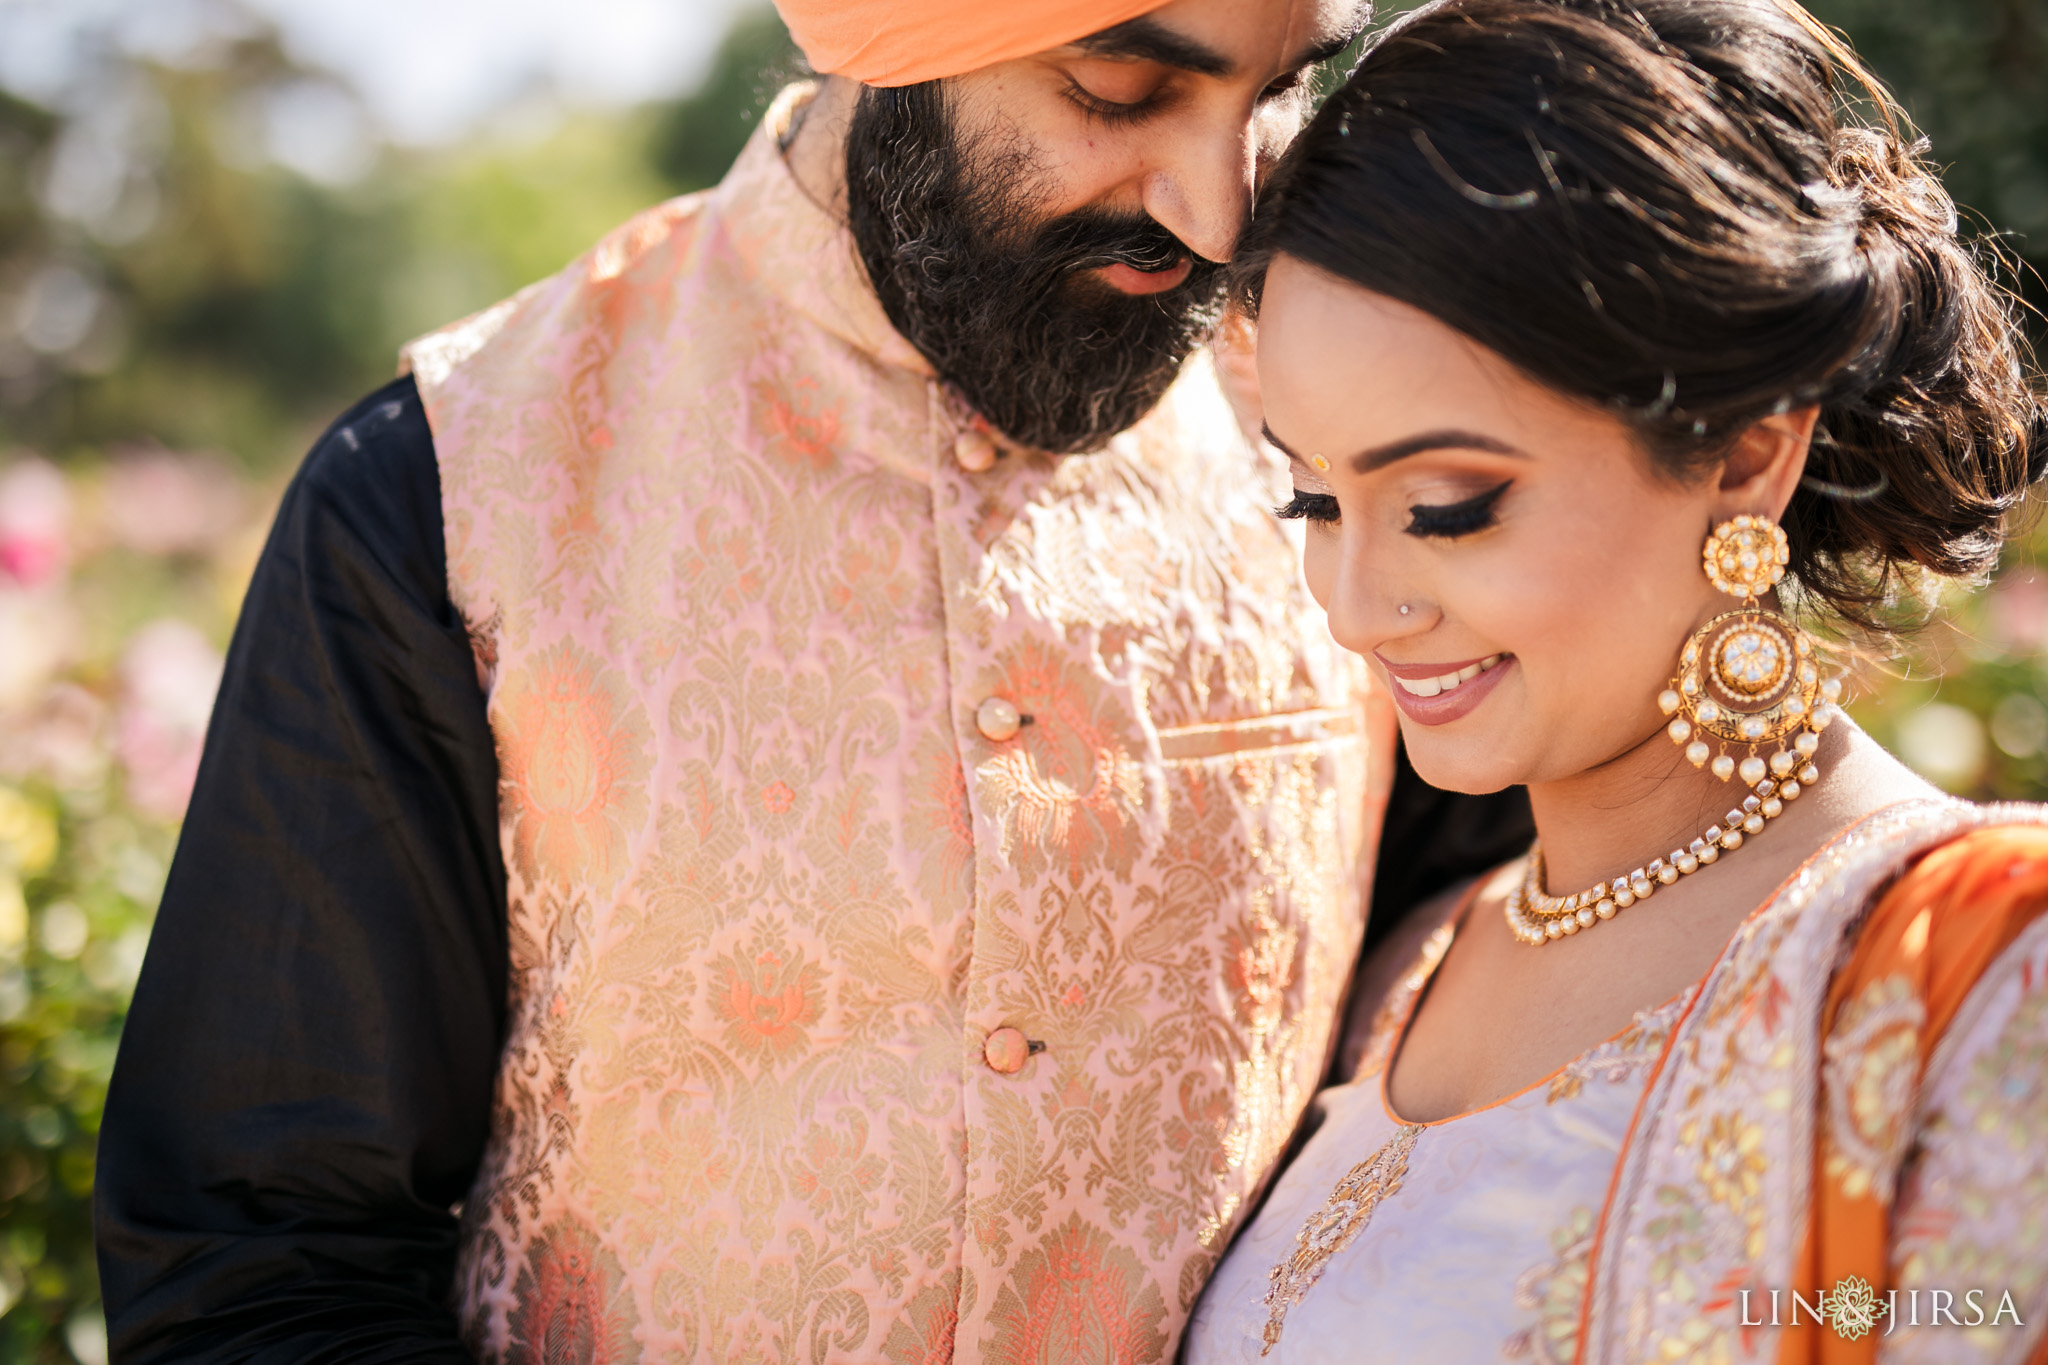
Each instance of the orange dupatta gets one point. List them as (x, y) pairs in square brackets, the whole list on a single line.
[(1937, 930)]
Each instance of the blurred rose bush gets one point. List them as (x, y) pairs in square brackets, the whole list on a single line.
[(117, 586), (1968, 706), (178, 275)]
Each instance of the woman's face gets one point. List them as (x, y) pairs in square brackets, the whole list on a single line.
[(1541, 561)]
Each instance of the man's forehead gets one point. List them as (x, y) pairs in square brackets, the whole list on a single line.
[(1220, 37)]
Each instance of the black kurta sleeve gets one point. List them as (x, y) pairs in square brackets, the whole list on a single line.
[(303, 1087)]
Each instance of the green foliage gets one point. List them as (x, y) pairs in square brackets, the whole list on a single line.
[(1973, 74), (697, 137), (78, 877), (258, 302)]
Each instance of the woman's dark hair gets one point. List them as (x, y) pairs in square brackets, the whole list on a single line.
[(1698, 212)]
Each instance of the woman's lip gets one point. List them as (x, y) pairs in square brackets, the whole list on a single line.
[(1131, 280), (1417, 672), (1455, 703)]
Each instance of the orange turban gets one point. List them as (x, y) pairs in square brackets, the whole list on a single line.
[(902, 42)]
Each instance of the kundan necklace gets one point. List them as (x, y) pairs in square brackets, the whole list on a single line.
[(1536, 917)]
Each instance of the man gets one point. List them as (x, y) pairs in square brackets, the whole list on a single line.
[(781, 797)]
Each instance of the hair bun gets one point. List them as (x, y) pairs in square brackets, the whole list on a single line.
[(1932, 420), (1893, 187)]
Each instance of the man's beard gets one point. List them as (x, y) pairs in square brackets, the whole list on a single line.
[(998, 298)]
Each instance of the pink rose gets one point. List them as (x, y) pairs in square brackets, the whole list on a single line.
[(35, 521), (169, 675)]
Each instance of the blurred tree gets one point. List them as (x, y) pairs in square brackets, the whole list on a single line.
[(697, 137), (219, 297), (1974, 76), (181, 287)]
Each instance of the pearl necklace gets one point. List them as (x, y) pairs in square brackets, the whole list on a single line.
[(1536, 917)]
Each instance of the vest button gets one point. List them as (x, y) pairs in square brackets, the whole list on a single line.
[(975, 452), (1005, 1051), (997, 719)]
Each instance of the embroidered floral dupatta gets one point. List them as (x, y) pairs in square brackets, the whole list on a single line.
[(1769, 1146)]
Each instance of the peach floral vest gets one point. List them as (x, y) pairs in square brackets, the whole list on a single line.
[(845, 1024)]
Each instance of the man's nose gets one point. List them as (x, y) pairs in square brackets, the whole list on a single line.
[(1202, 193)]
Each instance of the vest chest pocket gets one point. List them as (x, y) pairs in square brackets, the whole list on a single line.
[(1285, 730)]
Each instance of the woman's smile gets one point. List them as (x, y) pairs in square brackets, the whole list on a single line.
[(1437, 694)]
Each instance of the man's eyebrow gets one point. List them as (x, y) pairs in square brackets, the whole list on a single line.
[(1379, 457), (1320, 53), (1334, 46), (1145, 39)]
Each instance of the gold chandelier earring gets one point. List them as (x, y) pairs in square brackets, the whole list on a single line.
[(1750, 679), (1749, 676)]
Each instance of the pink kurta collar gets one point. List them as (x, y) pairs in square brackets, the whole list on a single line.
[(798, 251)]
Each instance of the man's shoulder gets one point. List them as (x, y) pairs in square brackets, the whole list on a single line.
[(643, 256), (371, 479), (380, 444)]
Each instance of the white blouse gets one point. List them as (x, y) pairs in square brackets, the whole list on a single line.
[(1462, 1240)]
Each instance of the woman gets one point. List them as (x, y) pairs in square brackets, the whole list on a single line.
[(1620, 366)]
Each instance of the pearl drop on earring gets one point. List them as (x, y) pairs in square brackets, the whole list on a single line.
[(1404, 608)]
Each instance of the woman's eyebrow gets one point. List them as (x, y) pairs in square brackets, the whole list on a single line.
[(1379, 457), (1285, 449)]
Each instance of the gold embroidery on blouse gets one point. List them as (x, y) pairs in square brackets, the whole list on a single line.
[(1554, 1290), (1333, 1227), (1621, 1057), (1870, 1079)]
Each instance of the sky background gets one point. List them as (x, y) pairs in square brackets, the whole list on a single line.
[(429, 70)]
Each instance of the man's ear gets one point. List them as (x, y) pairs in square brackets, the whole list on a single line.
[(1764, 467), (816, 150)]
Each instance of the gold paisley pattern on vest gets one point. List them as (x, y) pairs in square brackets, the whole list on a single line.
[(1076, 1299), (573, 752)]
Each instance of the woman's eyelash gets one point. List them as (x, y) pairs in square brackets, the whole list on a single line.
[(1109, 111), (1308, 507), (1451, 520), (1446, 522)]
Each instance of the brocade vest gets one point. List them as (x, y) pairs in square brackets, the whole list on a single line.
[(844, 1024)]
